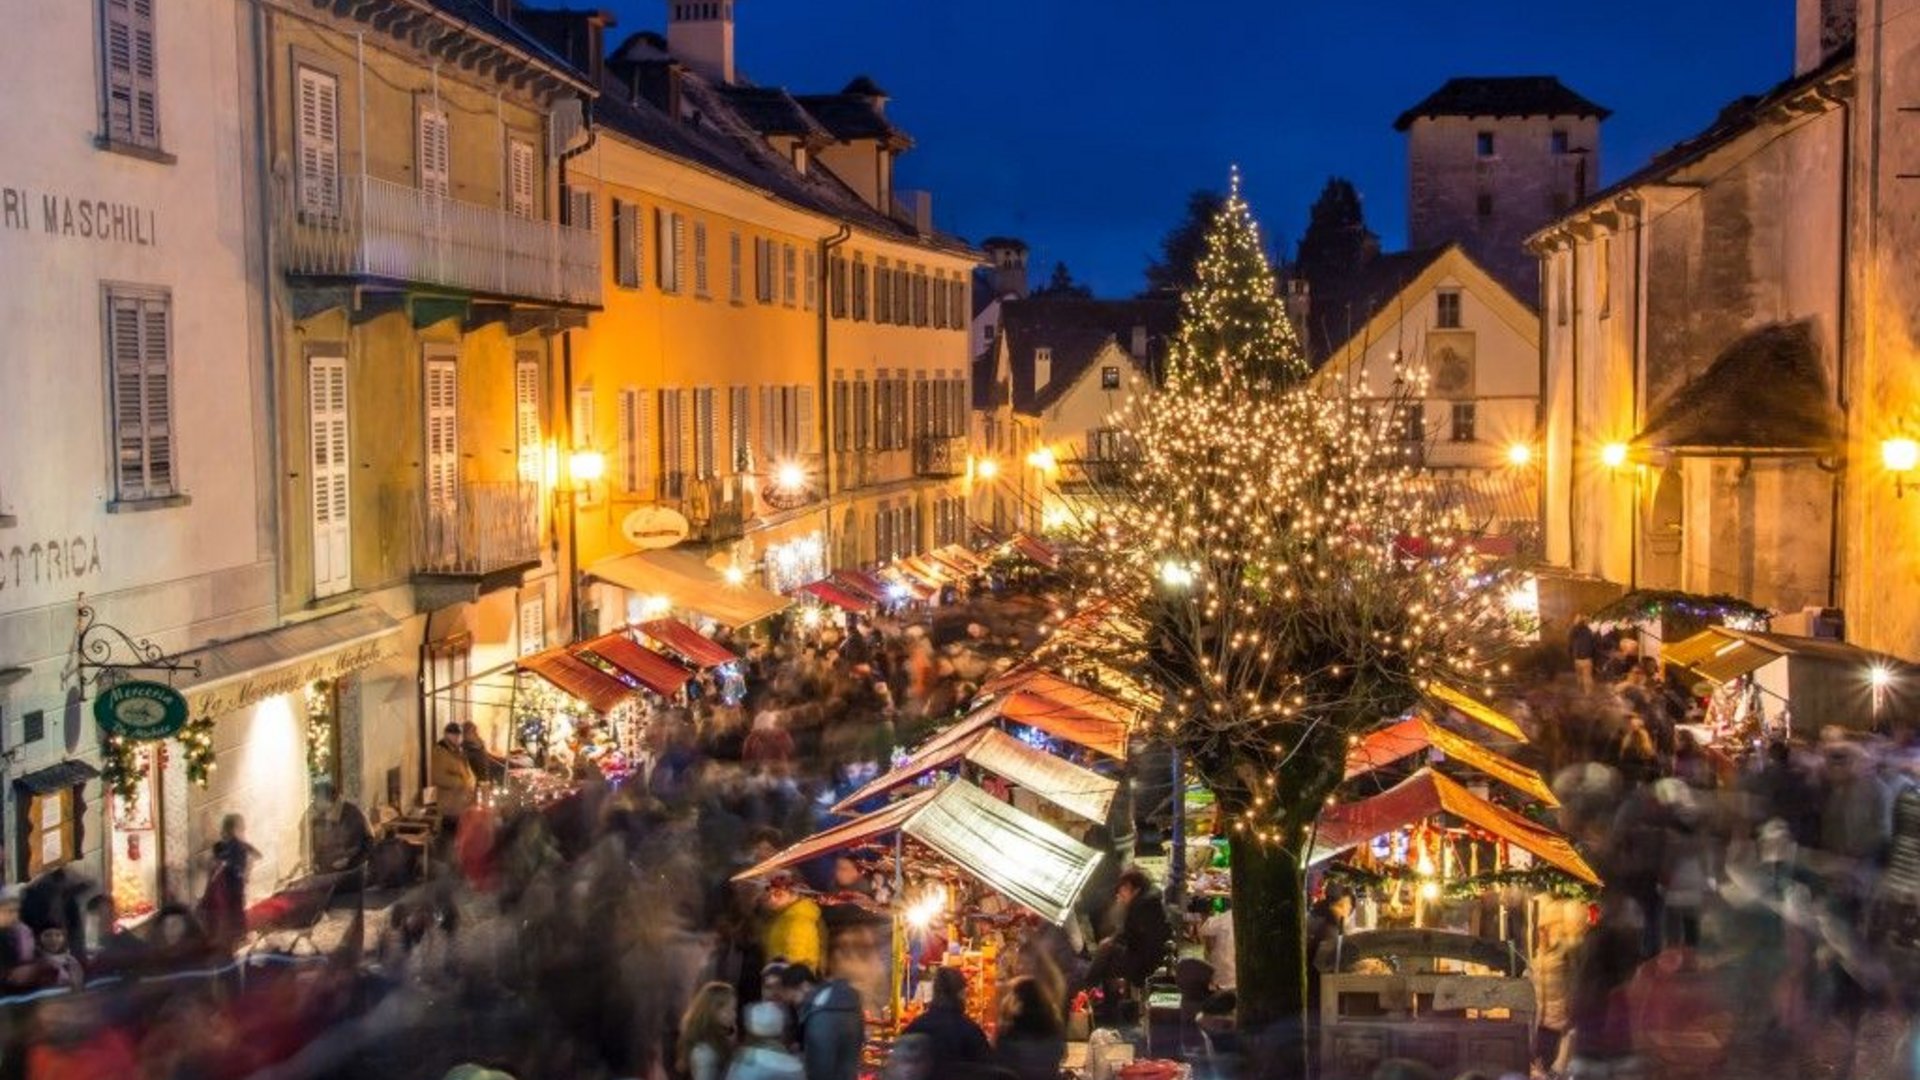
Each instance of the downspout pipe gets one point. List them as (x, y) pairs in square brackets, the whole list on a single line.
[(574, 577), (823, 416), (1840, 346)]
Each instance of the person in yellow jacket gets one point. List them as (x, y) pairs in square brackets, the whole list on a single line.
[(795, 931)]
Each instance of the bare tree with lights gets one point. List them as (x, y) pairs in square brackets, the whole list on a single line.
[(1296, 578)]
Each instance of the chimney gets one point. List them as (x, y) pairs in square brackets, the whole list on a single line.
[(1820, 29), (1042, 368), (1139, 349), (700, 35)]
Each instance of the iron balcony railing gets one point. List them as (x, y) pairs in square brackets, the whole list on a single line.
[(484, 528), (402, 233), (940, 455)]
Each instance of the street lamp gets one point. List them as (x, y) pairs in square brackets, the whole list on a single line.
[(586, 465), (1613, 455), (1519, 455), (1900, 456), (986, 468)]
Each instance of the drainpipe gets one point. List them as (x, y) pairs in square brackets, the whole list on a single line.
[(823, 416), (574, 577), (269, 375), (1639, 367), (1840, 345)]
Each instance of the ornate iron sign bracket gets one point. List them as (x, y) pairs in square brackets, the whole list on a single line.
[(97, 647)]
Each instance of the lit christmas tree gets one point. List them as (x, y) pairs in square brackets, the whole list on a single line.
[(1233, 321), (1269, 559)]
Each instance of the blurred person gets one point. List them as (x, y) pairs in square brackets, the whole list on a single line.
[(1216, 936), (911, 1059), (1856, 824), (481, 762), (764, 1056), (452, 778), (708, 1032), (1603, 965), (796, 931), (830, 1022), (1580, 644), (16, 943), (176, 940), (955, 1038), (1031, 1041), (1634, 752), (1552, 971), (223, 907), (1326, 925), (1138, 946), (338, 831), (1404, 1069), (56, 964)]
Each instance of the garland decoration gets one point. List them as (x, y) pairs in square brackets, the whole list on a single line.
[(320, 701), (119, 766), (196, 739), (1538, 880)]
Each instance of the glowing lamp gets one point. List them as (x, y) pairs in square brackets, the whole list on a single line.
[(587, 465), (1430, 890), (734, 575), (1900, 456), (1613, 455), (1520, 454), (1043, 459), (810, 618), (898, 592), (1880, 676), (987, 468), (654, 607), (1176, 575), (790, 476)]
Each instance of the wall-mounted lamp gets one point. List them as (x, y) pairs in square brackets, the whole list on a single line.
[(1613, 455), (1043, 459), (1520, 455), (986, 468), (1900, 457), (586, 466)]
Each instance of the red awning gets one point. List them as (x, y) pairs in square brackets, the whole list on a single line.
[(692, 645), (864, 584), (1046, 684), (856, 833), (1495, 545), (1426, 794), (646, 667), (828, 592), (1037, 550), (574, 676)]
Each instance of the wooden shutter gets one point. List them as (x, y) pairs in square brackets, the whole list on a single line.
[(317, 142), (882, 297), (810, 283), (922, 404), (807, 439), (520, 178), (789, 275), (735, 290), (739, 421), (130, 66), (700, 258), (433, 153), (442, 435), (527, 435), (862, 414), (703, 433), (626, 439), (332, 475), (626, 266), (769, 428), (139, 336), (679, 252)]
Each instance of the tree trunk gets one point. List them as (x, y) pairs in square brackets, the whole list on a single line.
[(1270, 930)]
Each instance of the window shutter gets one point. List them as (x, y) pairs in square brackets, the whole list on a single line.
[(882, 300), (327, 435), (626, 269), (922, 404), (810, 283), (442, 435), (139, 346), (581, 428), (626, 447), (526, 418), (671, 479), (663, 232), (789, 275), (520, 178), (769, 429), (700, 258), (790, 420), (683, 461), (862, 414), (433, 152), (130, 66), (839, 412), (679, 251), (808, 437), (703, 433), (318, 137), (734, 286), (738, 419)]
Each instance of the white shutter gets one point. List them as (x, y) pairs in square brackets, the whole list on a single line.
[(130, 66), (679, 251), (808, 437), (327, 436), (527, 436), (442, 436), (139, 353), (317, 138), (433, 153), (533, 625), (520, 178)]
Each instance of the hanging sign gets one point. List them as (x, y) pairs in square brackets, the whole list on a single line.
[(654, 527), (140, 710)]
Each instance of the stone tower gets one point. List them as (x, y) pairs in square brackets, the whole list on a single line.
[(1490, 160), (700, 35), (1008, 260)]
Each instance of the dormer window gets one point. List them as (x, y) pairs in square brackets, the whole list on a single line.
[(800, 157)]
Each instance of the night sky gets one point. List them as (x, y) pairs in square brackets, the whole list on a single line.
[(1080, 125)]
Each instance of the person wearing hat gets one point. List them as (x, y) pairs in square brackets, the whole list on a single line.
[(764, 1056), (452, 778), (16, 943)]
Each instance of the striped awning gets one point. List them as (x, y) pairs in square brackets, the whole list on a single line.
[(689, 644), (644, 666), (1060, 782), (828, 592), (578, 679)]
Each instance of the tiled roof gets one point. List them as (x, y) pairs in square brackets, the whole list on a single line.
[(853, 116), (1502, 95), (481, 17), (713, 132), (770, 110), (1339, 308), (1721, 410), (1076, 330)]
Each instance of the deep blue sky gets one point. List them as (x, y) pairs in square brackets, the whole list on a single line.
[(1080, 125)]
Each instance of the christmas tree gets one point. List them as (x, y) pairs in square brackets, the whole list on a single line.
[(1253, 559), (1233, 323)]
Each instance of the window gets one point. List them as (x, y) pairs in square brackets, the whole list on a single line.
[(764, 253), (626, 244), (132, 92), (533, 624), (837, 286), (630, 441), (902, 297), (33, 725), (51, 828), (810, 279), (139, 335), (527, 434), (738, 424), (316, 143), (1447, 317), (734, 286), (1557, 142), (859, 289), (703, 433), (521, 179), (700, 258), (842, 403), (1483, 204), (960, 288), (1483, 144), (862, 414), (1463, 415), (1110, 377), (432, 151), (1415, 429), (789, 275), (923, 421), (331, 474), (579, 208), (882, 292), (672, 230), (922, 296), (442, 430)]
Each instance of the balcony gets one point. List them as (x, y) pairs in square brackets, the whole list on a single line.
[(401, 234), (940, 455), (486, 537)]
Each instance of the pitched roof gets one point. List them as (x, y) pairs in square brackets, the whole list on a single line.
[(481, 17), (770, 110), (720, 130), (1722, 409), (1076, 330), (1502, 95), (858, 111), (1338, 309)]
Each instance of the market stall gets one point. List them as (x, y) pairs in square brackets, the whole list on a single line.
[(669, 579), (1396, 742), (1760, 685), (828, 591), (1078, 791)]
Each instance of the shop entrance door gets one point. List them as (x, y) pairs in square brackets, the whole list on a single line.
[(134, 842)]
